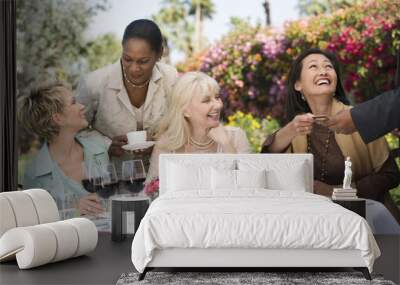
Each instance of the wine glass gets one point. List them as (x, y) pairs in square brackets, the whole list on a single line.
[(139, 172), (127, 171), (68, 205), (127, 175), (91, 172), (107, 182), (133, 174)]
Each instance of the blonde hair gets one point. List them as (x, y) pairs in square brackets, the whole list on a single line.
[(173, 131), (36, 109)]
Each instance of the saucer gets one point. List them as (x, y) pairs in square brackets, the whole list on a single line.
[(137, 146)]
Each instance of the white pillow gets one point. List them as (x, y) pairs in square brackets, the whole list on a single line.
[(292, 178), (182, 177), (223, 179), (251, 178), (280, 175), (227, 179)]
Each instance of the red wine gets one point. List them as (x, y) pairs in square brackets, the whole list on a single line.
[(135, 186), (88, 185), (107, 190), (139, 180)]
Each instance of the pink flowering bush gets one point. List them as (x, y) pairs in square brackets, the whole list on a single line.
[(364, 37), (252, 67), (152, 188), (247, 69)]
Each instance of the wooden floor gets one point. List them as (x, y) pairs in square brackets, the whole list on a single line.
[(389, 262), (104, 265), (110, 260)]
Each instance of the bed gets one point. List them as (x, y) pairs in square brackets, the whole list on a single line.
[(247, 210)]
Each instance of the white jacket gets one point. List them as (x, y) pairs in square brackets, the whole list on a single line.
[(108, 108)]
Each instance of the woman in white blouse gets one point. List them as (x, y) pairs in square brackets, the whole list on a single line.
[(192, 122), (129, 95)]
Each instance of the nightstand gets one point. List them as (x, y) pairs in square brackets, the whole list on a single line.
[(127, 212), (356, 205)]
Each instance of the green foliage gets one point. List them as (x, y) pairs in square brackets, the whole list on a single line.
[(174, 22), (177, 20), (50, 38), (51, 44), (395, 193), (392, 140), (103, 50), (23, 160), (256, 129), (316, 7), (240, 26), (394, 143), (207, 8)]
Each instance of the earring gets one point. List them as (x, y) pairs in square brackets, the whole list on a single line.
[(302, 97)]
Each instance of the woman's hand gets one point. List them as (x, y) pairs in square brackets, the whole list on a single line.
[(116, 145), (90, 205), (302, 124), (322, 188)]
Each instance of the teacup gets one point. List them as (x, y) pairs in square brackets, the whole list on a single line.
[(136, 137)]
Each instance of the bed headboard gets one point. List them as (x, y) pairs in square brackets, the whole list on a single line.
[(282, 164)]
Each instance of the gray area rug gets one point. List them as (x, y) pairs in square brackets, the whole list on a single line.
[(229, 278)]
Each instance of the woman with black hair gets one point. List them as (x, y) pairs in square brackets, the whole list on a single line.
[(315, 91), (129, 95)]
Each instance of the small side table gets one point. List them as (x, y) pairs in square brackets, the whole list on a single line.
[(356, 205), (121, 207)]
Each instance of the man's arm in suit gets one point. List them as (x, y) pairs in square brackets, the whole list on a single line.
[(376, 117)]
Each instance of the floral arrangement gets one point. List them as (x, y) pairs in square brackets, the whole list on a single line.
[(151, 189), (251, 67)]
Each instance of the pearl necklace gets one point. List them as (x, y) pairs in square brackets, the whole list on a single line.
[(200, 145), (130, 82)]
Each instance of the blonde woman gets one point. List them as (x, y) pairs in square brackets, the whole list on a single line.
[(51, 112), (192, 122)]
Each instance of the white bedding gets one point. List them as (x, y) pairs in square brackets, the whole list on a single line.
[(252, 218)]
